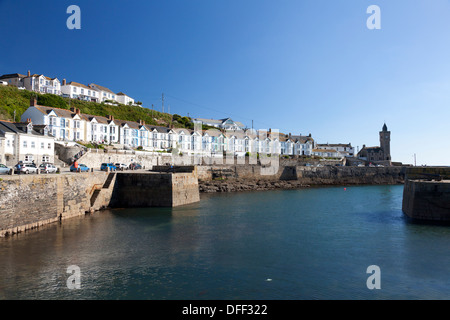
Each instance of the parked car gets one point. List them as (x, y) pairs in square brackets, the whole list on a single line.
[(361, 165), (135, 166), (109, 166), (81, 168), (121, 166), (47, 168), (26, 168), (4, 169)]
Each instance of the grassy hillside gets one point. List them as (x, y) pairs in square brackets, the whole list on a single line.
[(11, 98)]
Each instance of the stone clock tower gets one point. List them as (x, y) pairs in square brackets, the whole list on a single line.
[(385, 142)]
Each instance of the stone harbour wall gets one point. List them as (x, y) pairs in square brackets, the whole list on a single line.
[(251, 177), (29, 201), (427, 200)]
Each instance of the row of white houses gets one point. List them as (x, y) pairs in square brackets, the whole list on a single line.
[(72, 125), (43, 84)]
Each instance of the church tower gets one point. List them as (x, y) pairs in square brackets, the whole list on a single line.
[(385, 142)]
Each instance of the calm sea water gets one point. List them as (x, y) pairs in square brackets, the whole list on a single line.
[(276, 245)]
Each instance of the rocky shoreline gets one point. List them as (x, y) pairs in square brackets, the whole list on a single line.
[(248, 185)]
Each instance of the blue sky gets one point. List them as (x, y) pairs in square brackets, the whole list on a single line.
[(308, 66)]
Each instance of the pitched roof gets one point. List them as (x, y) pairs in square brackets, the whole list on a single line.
[(64, 113), (16, 127), (13, 75), (372, 149), (100, 88), (76, 84), (334, 145), (324, 150), (302, 139)]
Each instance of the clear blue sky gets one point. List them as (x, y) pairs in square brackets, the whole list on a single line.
[(300, 66)]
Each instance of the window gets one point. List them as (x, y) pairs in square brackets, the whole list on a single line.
[(7, 143), (74, 89), (28, 158), (33, 145), (45, 158), (49, 145), (42, 145), (78, 136), (46, 83), (24, 143), (82, 91), (89, 92)]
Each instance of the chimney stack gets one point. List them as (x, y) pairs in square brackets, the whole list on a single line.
[(64, 82), (29, 73), (28, 120), (73, 109), (110, 117), (33, 101)]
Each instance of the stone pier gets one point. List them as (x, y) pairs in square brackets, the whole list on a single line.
[(426, 194)]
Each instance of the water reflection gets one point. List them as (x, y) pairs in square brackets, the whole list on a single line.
[(313, 244)]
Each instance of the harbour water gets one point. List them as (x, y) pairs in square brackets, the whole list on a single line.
[(313, 243)]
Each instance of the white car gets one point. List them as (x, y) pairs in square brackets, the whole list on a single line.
[(26, 168), (47, 168), (121, 166)]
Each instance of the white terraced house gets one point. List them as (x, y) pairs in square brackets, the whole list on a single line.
[(24, 141), (79, 91), (124, 99), (36, 82), (101, 129), (105, 93), (296, 145), (62, 124), (345, 150)]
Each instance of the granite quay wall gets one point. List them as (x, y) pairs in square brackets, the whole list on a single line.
[(251, 177), (155, 190), (29, 201), (426, 195), (427, 200)]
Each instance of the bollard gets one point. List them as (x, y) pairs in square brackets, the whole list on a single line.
[(11, 172)]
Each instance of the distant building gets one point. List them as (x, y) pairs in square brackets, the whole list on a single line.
[(378, 153), (36, 82), (225, 124), (326, 153), (79, 91), (124, 99), (105, 93), (345, 150)]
